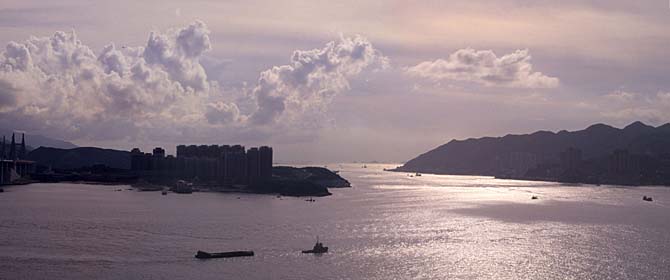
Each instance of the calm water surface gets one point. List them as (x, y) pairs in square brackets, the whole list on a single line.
[(388, 226)]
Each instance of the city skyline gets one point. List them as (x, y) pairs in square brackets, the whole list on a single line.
[(327, 82)]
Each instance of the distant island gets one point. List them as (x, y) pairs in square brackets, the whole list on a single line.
[(195, 168), (638, 154)]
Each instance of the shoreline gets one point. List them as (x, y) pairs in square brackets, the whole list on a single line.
[(546, 180), (163, 187)]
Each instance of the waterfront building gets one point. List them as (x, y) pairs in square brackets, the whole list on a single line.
[(253, 166), (2, 150), (221, 164), (571, 159), (265, 154)]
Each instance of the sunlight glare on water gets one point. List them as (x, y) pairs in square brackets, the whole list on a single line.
[(388, 226)]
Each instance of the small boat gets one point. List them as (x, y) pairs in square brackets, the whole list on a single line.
[(318, 248), (182, 187), (310, 200), (534, 197), (2, 190), (232, 254), (647, 198), (417, 174), (365, 166), (164, 192)]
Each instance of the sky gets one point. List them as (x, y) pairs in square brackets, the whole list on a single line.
[(328, 81)]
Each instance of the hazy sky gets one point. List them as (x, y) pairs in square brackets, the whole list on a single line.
[(326, 81)]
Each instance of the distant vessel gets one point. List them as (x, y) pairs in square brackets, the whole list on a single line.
[(417, 174), (365, 166), (182, 187), (318, 248), (533, 197), (232, 254), (647, 198), (310, 200), (164, 192)]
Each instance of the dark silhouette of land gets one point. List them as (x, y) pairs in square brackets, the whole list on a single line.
[(638, 154), (156, 171), (76, 158), (36, 141)]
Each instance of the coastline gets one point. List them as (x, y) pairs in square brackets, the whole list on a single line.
[(286, 181), (534, 179)]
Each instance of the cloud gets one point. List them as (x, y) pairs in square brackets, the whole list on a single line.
[(178, 54), (222, 113), (160, 91), (58, 85), (311, 80), (7, 95), (626, 106), (484, 67)]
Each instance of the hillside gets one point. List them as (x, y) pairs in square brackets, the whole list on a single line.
[(34, 140), (514, 155), (80, 157)]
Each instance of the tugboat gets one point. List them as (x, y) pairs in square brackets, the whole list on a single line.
[(318, 248), (647, 198)]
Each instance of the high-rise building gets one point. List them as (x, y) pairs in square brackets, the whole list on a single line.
[(159, 152), (265, 158), (253, 166), (622, 162), (12, 149), (235, 163), (3, 153), (226, 165), (571, 158), (181, 151), (139, 161)]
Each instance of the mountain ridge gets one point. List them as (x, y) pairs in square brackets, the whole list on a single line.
[(496, 156), (80, 157)]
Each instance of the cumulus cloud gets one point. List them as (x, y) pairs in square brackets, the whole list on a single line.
[(485, 67), (7, 96), (627, 106), (59, 86), (222, 113), (312, 78)]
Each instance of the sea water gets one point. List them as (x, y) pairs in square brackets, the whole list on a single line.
[(387, 226)]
